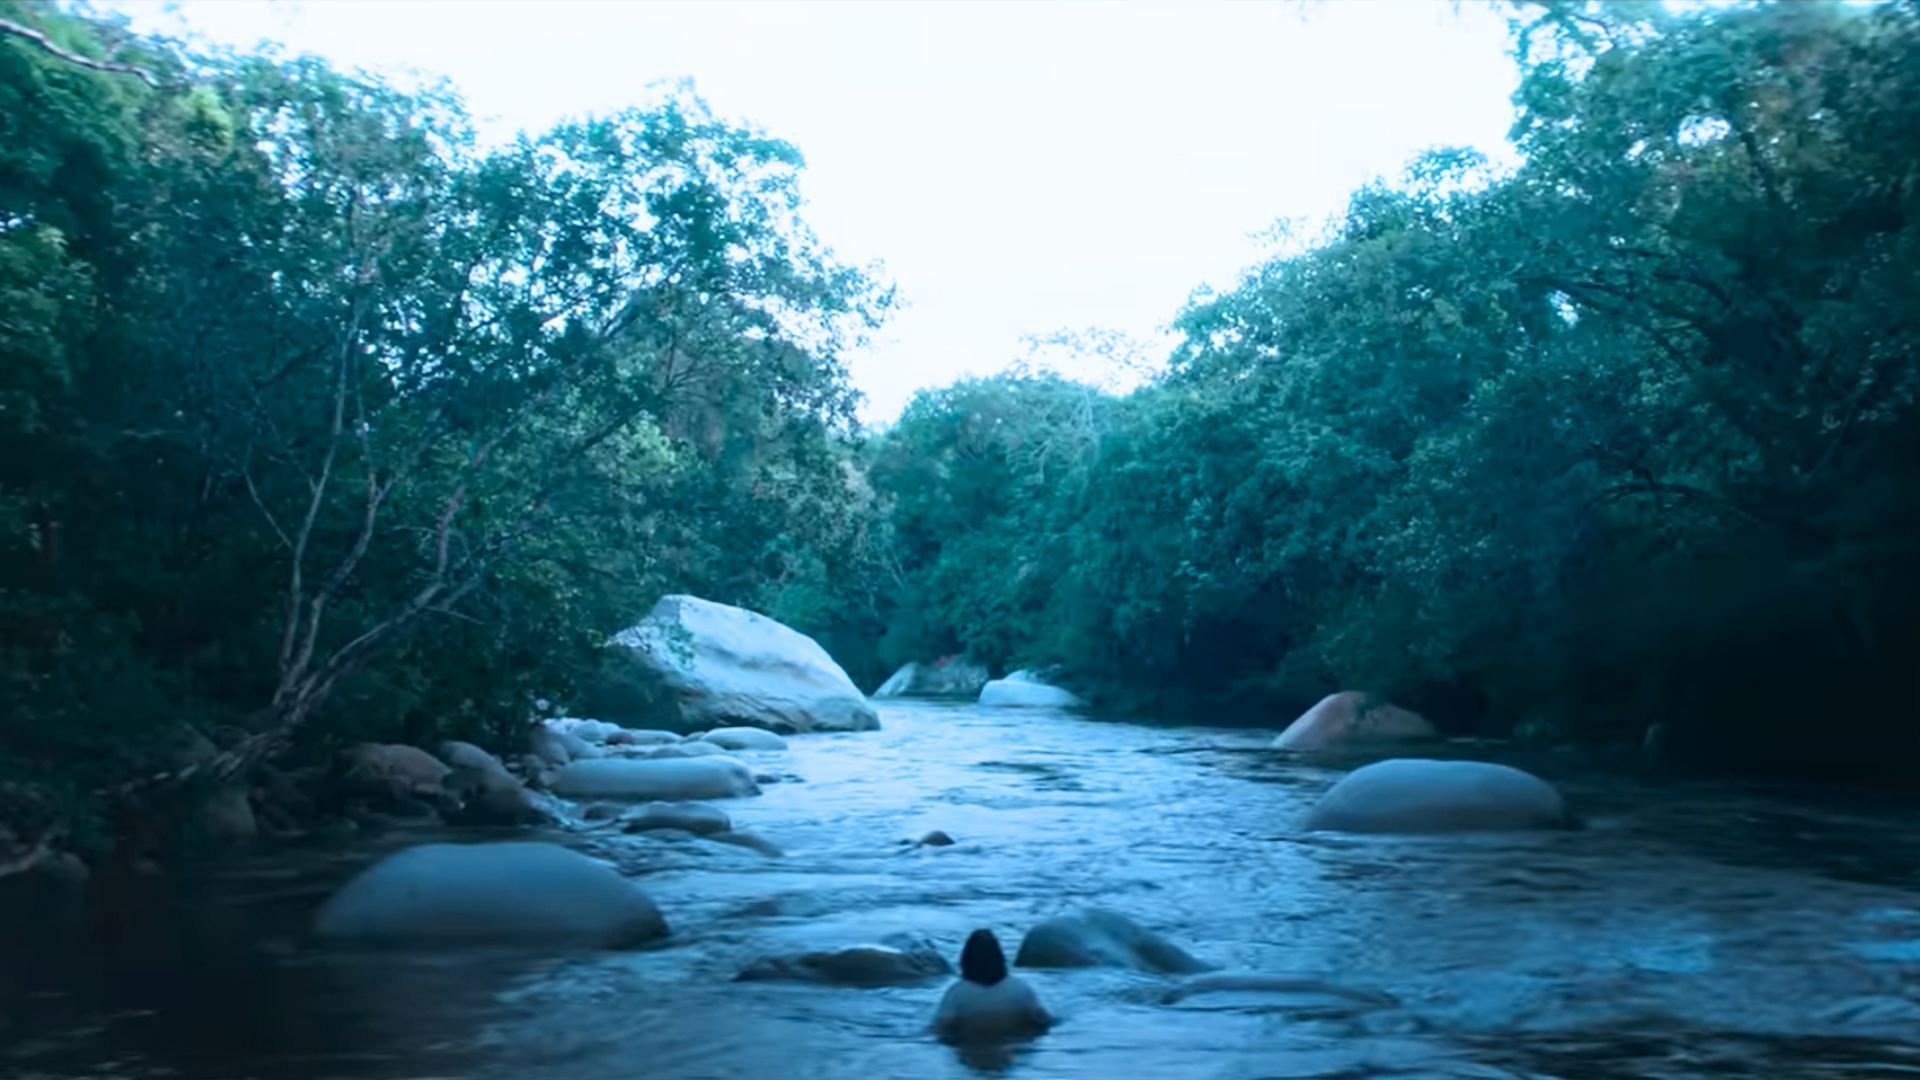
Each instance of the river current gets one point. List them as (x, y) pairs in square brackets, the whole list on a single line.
[(1691, 929)]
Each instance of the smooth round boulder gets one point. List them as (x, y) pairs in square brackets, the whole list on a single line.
[(557, 745), (488, 798), (1417, 795), (392, 771), (508, 893), (641, 737), (895, 961), (683, 749), (595, 732), (1025, 690), (949, 677), (743, 738), (687, 817), (1352, 719), (669, 779), (1095, 938), (465, 755)]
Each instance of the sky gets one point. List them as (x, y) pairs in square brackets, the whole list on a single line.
[(1018, 169)]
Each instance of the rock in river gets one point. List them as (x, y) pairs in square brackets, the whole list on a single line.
[(1350, 719), (1416, 795), (693, 664), (744, 738), (521, 893), (715, 777), (1095, 938), (896, 961), (687, 817), (1024, 690), (557, 745), (952, 676), (391, 771)]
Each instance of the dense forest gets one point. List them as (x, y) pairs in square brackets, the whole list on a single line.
[(320, 420), (1625, 435)]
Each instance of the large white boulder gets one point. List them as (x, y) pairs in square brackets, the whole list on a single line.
[(697, 664), (1025, 690), (1415, 795), (525, 893), (668, 779), (1351, 718), (952, 676)]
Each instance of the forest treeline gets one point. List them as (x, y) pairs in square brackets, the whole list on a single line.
[(322, 420), (1623, 435)]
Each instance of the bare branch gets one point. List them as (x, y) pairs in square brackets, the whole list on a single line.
[(246, 473), (296, 585), (8, 26)]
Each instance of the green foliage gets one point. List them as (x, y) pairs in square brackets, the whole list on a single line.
[(1627, 434), (321, 421)]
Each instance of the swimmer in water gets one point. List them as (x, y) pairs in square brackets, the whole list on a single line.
[(988, 1002)]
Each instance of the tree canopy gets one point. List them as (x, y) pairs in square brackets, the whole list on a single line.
[(1623, 435), (320, 419)]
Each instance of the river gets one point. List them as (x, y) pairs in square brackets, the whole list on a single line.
[(1692, 929)]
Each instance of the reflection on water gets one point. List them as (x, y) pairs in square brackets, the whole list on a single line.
[(1689, 931)]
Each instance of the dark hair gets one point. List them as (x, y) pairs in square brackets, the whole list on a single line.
[(982, 961)]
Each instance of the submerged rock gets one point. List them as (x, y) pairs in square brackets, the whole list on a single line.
[(1349, 719), (751, 841), (660, 778), (1096, 938), (743, 738), (1025, 690), (936, 838), (952, 676), (1253, 982), (898, 960), (693, 664), (1417, 795), (522, 893)]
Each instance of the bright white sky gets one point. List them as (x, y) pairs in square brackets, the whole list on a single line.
[(1019, 169)]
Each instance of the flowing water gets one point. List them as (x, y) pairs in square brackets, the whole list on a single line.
[(1689, 930)]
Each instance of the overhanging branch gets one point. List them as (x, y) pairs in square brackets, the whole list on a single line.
[(19, 30)]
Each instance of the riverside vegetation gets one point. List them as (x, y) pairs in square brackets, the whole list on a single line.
[(322, 422)]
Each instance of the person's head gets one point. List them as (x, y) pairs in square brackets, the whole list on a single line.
[(981, 961)]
